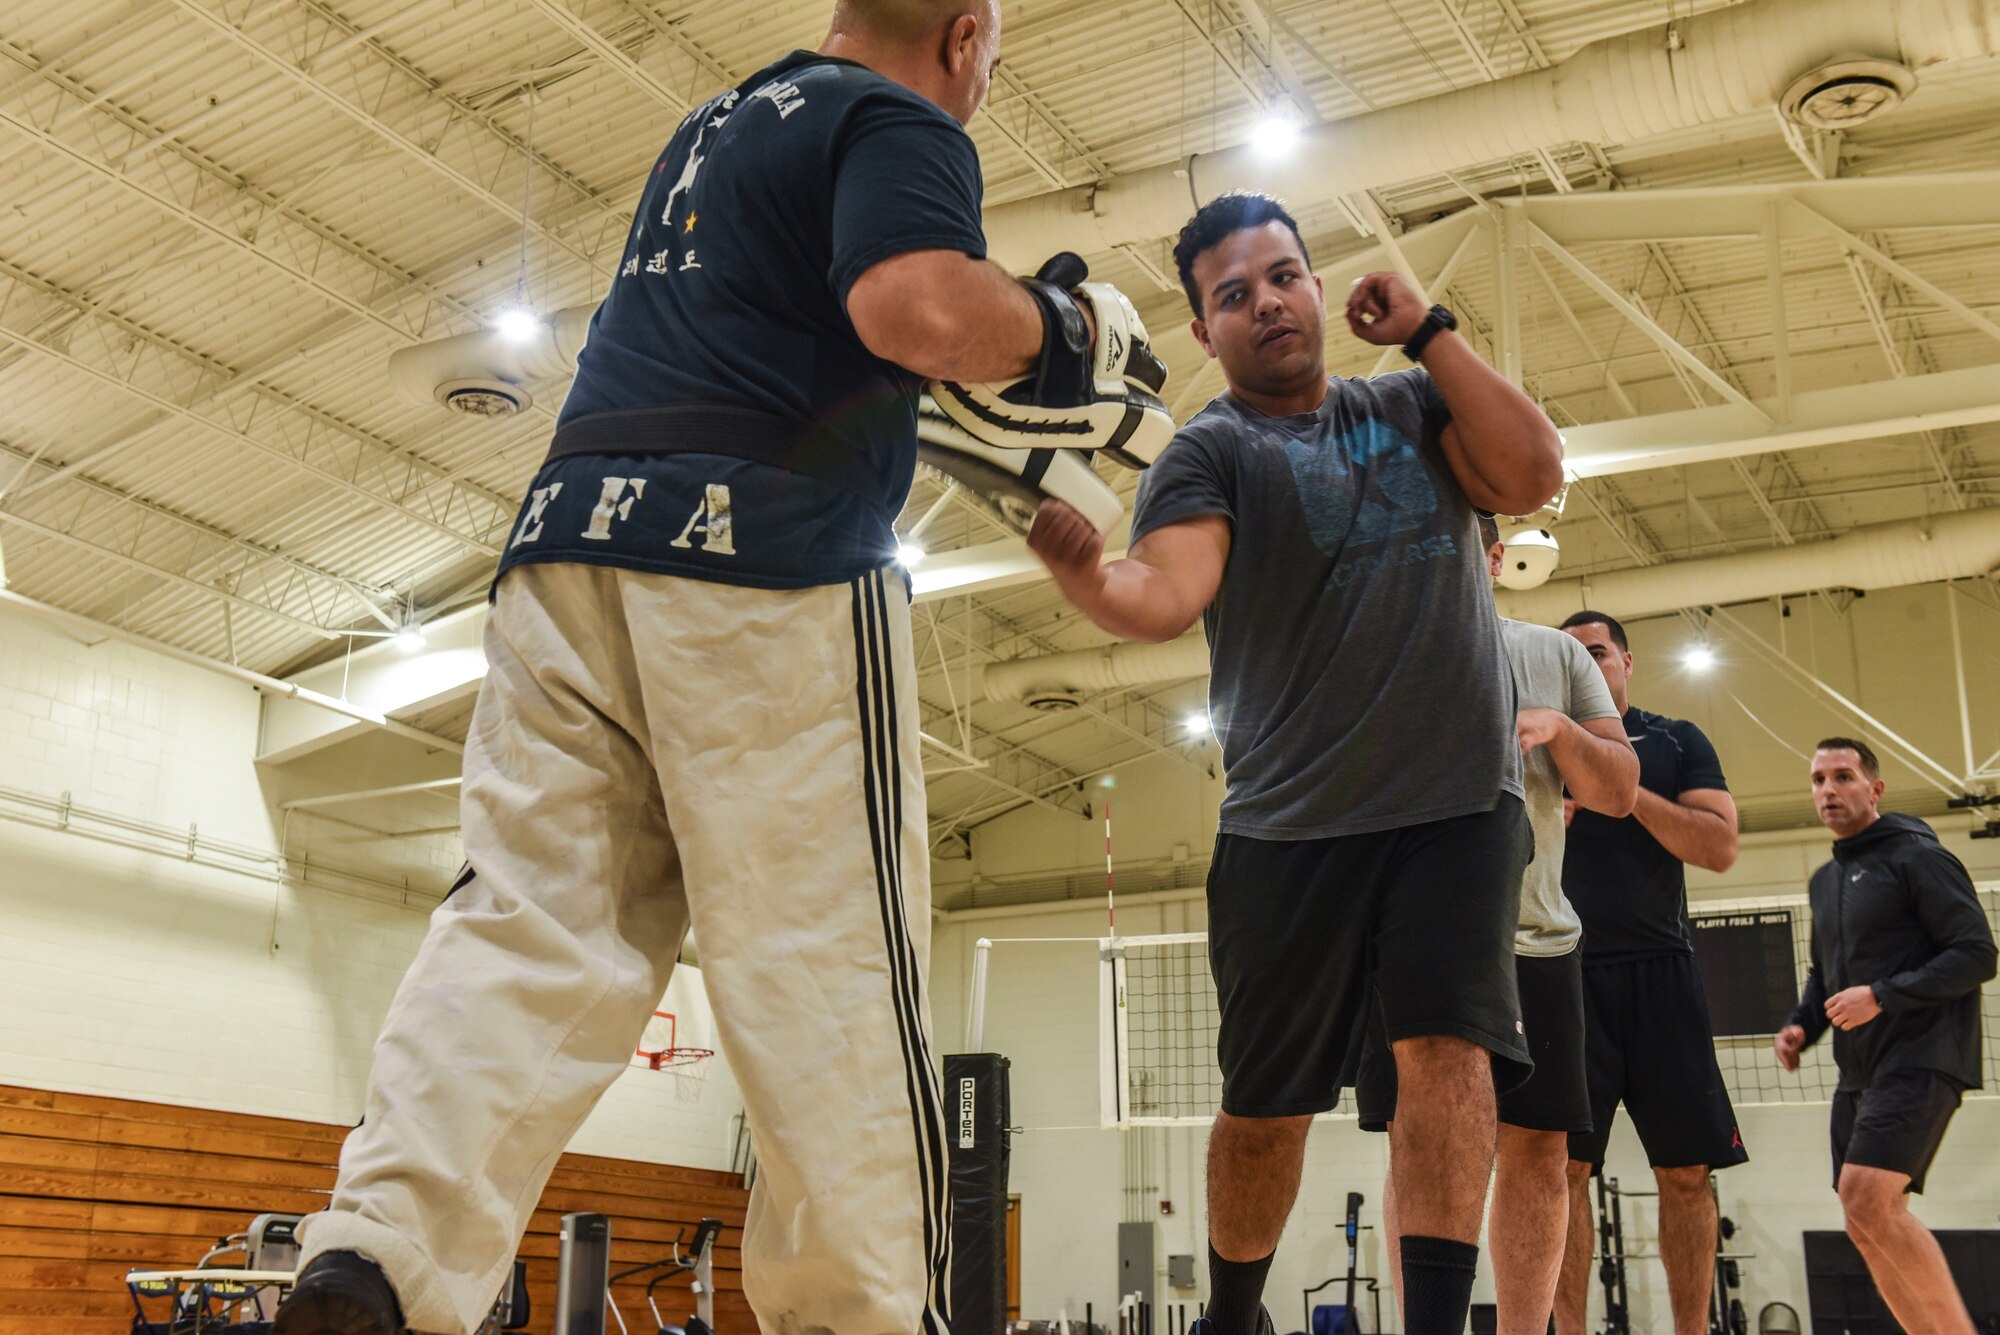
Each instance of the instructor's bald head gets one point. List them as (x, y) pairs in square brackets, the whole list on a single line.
[(944, 49), (901, 20)]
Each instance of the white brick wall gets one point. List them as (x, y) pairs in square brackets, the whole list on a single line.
[(142, 976)]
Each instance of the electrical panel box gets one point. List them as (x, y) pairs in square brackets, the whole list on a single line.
[(1137, 1245), (1180, 1272)]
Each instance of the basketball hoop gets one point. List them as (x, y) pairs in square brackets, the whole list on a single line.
[(659, 1050)]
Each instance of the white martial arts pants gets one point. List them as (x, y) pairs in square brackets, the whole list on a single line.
[(647, 752)]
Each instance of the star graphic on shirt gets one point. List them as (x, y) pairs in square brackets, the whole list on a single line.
[(688, 226)]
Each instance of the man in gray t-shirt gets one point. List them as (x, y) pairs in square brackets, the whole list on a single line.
[(1574, 739), (1373, 836)]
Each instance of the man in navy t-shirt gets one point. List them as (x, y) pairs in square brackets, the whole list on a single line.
[(701, 709), (1647, 1040)]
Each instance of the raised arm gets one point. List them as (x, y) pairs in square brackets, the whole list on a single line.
[(1501, 446)]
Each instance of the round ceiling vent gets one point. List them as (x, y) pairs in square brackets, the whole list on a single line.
[(1846, 93), (1052, 702), (483, 398)]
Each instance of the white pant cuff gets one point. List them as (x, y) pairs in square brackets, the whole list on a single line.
[(420, 1288)]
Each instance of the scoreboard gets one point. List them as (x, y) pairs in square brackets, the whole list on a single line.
[(1749, 969)]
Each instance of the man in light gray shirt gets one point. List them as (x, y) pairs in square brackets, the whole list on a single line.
[(1572, 737)]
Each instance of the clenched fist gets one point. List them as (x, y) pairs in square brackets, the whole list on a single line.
[(1383, 309), (1066, 542)]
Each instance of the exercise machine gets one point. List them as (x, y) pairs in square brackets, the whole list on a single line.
[(584, 1278), (1726, 1313), (1344, 1318)]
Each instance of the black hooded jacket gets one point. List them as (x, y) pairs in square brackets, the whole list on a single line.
[(1897, 912)]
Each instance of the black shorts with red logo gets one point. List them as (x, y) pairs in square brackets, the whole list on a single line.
[(1648, 1045)]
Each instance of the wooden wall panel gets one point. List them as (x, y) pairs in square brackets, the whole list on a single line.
[(92, 1187)]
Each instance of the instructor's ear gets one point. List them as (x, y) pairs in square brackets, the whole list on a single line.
[(1199, 328), (961, 44)]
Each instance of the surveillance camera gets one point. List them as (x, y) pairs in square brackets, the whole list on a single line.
[(1531, 556)]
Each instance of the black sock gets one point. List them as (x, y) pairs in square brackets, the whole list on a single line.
[(1235, 1293), (1437, 1285)]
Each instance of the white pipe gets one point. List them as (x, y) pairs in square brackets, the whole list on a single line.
[(419, 373), (975, 1015), (1102, 669), (268, 685), (1879, 556), (1694, 71)]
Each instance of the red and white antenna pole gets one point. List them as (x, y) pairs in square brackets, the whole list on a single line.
[(1110, 898)]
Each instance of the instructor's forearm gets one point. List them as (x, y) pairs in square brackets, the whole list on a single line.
[(945, 316), (1509, 441), (987, 329), (1600, 774), (1130, 599), (1690, 834)]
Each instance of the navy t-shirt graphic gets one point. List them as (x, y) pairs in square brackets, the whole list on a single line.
[(764, 207)]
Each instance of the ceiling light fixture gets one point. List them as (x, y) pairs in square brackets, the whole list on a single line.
[(1276, 133), (909, 554), (1700, 658), (517, 324)]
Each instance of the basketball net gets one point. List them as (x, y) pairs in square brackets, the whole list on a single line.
[(660, 1050)]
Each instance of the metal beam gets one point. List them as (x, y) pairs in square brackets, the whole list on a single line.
[(1852, 204), (1866, 411), (126, 382), (352, 108), (1910, 277), (609, 54), (477, 500), (1665, 341)]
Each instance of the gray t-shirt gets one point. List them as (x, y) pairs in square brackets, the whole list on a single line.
[(1357, 681), (1552, 670)]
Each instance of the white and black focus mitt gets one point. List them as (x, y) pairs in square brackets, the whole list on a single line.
[(1083, 393), (1012, 484)]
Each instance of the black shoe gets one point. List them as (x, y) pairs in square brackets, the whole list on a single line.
[(340, 1293)]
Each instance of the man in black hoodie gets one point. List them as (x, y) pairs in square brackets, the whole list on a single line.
[(1900, 947)]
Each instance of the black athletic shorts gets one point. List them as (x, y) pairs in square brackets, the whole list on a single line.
[(1303, 935), (1555, 1098), (1895, 1124), (1647, 1043)]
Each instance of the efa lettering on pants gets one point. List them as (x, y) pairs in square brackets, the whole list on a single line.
[(711, 525)]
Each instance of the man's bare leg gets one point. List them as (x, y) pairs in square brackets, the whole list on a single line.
[(1526, 1226), (1254, 1164), (1392, 1229), (1687, 1244), (1442, 1140), (1441, 1156), (1902, 1255), (1579, 1247)]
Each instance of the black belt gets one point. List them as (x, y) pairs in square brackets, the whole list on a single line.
[(735, 433)]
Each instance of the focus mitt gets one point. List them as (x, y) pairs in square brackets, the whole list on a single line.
[(1012, 484), (1084, 392)]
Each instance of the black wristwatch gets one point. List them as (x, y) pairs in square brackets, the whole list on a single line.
[(1439, 319)]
